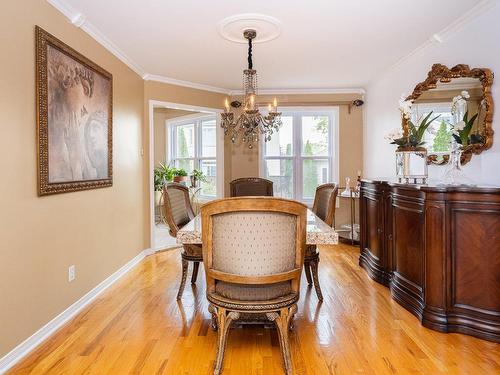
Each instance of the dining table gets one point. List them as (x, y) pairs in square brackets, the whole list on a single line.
[(317, 231)]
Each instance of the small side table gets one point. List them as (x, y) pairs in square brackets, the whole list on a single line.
[(350, 231)]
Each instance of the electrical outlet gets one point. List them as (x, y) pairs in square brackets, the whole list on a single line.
[(337, 202), (71, 273)]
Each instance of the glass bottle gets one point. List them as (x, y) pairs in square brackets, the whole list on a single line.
[(454, 175)]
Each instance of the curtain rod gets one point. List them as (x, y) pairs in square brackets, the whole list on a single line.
[(348, 103)]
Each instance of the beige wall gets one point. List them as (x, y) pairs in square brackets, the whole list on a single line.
[(97, 230)]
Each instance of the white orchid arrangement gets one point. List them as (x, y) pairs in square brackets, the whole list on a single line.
[(394, 134), (459, 101), (413, 138), (405, 107), (462, 129)]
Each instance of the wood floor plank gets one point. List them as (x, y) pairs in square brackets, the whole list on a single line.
[(138, 327)]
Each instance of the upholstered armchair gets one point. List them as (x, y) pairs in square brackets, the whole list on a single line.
[(324, 207), (253, 251), (251, 186), (178, 212)]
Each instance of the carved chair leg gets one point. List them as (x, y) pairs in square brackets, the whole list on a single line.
[(307, 270), (224, 321), (194, 276), (213, 312), (183, 278), (282, 321), (292, 312), (314, 269)]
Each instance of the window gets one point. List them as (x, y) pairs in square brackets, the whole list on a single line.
[(301, 155), (193, 146), (438, 135)]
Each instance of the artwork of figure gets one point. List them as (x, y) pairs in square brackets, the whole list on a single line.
[(77, 120), (74, 123)]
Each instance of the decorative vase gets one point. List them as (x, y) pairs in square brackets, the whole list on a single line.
[(347, 190), (454, 175), (411, 165), (180, 179), (194, 182)]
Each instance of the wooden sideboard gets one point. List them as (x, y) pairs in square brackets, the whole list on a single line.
[(438, 250)]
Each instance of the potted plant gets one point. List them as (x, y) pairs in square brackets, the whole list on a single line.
[(461, 131), (411, 156), (197, 176), (162, 174), (462, 140), (180, 175)]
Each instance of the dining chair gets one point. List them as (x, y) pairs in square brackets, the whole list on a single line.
[(324, 207), (178, 212), (251, 186), (253, 251)]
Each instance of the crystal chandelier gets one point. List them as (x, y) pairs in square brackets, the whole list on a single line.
[(250, 124)]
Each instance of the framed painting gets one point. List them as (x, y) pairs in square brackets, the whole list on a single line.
[(74, 119)]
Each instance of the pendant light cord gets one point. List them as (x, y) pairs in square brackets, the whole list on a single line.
[(250, 62)]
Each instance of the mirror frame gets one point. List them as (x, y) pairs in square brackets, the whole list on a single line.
[(443, 74)]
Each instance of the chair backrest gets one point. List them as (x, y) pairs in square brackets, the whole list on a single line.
[(253, 240), (324, 202), (251, 186), (178, 209)]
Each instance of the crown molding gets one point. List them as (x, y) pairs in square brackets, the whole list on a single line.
[(357, 90), (79, 20), (446, 33), (111, 47), (178, 82)]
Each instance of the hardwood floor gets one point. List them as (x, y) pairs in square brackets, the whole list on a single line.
[(138, 327)]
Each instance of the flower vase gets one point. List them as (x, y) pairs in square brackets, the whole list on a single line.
[(454, 175), (411, 165)]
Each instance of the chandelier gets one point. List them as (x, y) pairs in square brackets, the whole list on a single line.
[(251, 124)]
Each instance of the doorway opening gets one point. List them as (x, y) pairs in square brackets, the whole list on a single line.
[(185, 138)]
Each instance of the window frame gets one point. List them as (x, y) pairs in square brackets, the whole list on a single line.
[(197, 120), (297, 157), (421, 109)]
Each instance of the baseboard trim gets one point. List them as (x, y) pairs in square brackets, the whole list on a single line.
[(28, 345), (166, 248)]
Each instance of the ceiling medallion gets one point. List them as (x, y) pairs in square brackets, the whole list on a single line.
[(232, 28), (250, 124)]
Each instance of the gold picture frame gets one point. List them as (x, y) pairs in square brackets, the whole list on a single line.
[(74, 99)]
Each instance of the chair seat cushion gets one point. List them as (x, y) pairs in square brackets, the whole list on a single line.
[(242, 292)]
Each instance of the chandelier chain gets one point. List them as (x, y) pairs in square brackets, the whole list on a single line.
[(250, 62)]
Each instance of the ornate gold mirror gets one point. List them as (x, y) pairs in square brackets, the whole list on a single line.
[(451, 93)]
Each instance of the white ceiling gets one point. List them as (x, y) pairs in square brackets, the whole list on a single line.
[(323, 43)]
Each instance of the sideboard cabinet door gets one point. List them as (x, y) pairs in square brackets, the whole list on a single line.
[(373, 257)]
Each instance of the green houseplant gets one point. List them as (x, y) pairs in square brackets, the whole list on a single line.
[(197, 176), (180, 175), (163, 173)]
